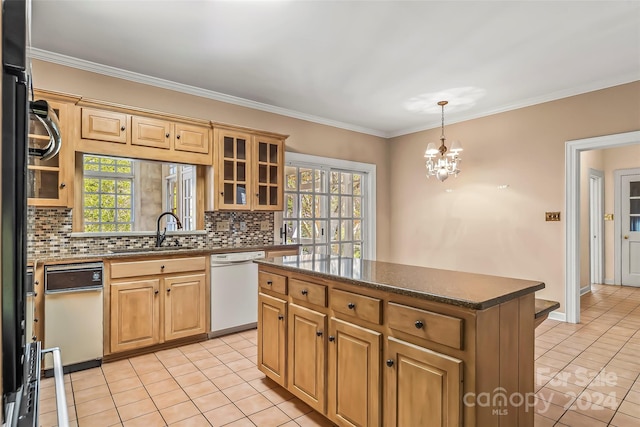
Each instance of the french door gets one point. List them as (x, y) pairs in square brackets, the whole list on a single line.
[(326, 209), (631, 230)]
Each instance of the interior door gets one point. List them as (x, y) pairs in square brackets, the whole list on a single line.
[(631, 230)]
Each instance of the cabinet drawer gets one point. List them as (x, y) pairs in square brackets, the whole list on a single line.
[(356, 305), (309, 292), (425, 324), (157, 266), (272, 282)]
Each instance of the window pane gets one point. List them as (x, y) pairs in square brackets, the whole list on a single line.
[(291, 206), (347, 208), (346, 187), (306, 179), (357, 250), (335, 182), (291, 177), (335, 249), (335, 206), (634, 189), (357, 207), (321, 181), (635, 207), (306, 206), (306, 231), (347, 230), (335, 231), (321, 207), (357, 184), (347, 250), (635, 223), (321, 231), (357, 230)]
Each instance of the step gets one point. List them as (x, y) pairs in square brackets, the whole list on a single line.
[(543, 308)]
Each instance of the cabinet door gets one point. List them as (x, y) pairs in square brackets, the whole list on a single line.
[(49, 181), (423, 388), (184, 306), (353, 385), (134, 314), (234, 170), (272, 337), (268, 174), (307, 355), (101, 125), (149, 132), (191, 138)]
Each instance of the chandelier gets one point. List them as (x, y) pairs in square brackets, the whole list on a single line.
[(441, 161)]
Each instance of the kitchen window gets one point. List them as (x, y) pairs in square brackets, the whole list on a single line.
[(108, 194), (329, 206)]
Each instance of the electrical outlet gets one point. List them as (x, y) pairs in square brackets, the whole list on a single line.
[(222, 226), (552, 216), (265, 226), (243, 226)]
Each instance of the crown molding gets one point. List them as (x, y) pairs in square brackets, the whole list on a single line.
[(554, 96), (106, 70), (94, 67)]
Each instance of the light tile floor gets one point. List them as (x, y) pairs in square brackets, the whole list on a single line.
[(586, 375)]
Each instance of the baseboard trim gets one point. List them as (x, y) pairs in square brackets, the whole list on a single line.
[(561, 317), (609, 282), (585, 290)]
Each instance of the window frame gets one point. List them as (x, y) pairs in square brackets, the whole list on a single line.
[(368, 184)]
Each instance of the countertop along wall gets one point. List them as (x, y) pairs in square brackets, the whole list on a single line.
[(305, 137), (482, 229)]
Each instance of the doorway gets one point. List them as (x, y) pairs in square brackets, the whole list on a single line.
[(596, 244), (572, 209)]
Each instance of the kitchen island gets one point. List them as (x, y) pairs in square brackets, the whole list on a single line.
[(370, 343)]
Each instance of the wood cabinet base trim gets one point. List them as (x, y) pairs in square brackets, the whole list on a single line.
[(151, 349)]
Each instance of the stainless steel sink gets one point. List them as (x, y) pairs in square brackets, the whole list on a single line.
[(152, 249)]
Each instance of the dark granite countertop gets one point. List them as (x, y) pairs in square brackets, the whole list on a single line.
[(138, 252), (470, 290)]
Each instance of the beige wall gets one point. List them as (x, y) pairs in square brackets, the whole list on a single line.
[(480, 228), (305, 137)]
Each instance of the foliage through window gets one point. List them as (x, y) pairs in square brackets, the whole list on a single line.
[(108, 194), (179, 195), (324, 210)]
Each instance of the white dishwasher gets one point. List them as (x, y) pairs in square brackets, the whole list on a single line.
[(234, 292)]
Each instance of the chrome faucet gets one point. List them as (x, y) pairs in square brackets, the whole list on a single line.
[(161, 236)]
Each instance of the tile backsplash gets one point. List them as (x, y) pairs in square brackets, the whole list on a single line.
[(49, 234)]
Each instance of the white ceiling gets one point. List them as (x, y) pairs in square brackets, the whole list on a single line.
[(368, 66)]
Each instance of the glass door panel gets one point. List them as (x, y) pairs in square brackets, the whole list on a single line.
[(269, 166)]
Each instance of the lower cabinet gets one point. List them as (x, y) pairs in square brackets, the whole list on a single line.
[(354, 391), (154, 301), (135, 314), (424, 387), (272, 337), (306, 355), (184, 306)]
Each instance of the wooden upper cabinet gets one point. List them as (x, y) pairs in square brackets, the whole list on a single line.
[(191, 138), (249, 170), (269, 172), (151, 132), (50, 182), (234, 170), (103, 125)]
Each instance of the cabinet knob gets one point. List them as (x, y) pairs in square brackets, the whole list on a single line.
[(419, 324), (389, 362), (162, 267), (177, 136), (280, 317), (62, 185), (168, 135), (222, 193), (169, 290), (332, 338), (156, 292), (35, 320), (351, 306), (37, 282), (257, 194), (269, 283), (319, 333), (304, 292), (122, 128)]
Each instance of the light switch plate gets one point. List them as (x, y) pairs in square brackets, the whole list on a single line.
[(552, 216), (222, 226)]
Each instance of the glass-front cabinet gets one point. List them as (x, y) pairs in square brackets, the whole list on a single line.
[(249, 170), (49, 182)]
